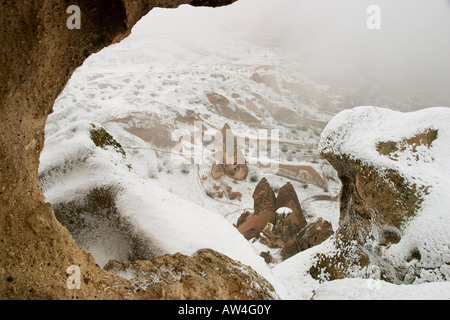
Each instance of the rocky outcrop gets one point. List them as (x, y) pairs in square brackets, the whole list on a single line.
[(38, 54), (264, 211), (391, 166), (97, 225), (232, 162), (207, 275), (222, 106), (313, 234), (279, 222), (287, 197), (276, 235)]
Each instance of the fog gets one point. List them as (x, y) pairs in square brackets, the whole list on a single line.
[(413, 44)]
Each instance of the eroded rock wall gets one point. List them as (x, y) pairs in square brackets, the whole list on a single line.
[(393, 204), (38, 54)]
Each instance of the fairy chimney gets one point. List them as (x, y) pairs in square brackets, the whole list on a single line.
[(231, 161), (264, 210), (287, 197)]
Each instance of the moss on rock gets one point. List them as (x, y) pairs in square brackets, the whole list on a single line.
[(375, 203), (103, 139)]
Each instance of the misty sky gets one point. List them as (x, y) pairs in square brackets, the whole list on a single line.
[(413, 43)]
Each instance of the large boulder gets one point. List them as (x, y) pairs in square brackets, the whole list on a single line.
[(394, 199), (38, 55), (207, 275)]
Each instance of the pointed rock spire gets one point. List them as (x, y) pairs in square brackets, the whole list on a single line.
[(287, 197), (264, 211)]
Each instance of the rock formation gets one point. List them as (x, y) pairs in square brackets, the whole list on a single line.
[(231, 160), (38, 54), (390, 165), (279, 222), (287, 197), (264, 211), (207, 275)]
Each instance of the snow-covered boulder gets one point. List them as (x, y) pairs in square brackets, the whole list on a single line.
[(207, 275), (394, 203), (264, 205)]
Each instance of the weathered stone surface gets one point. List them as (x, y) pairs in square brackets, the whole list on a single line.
[(279, 222), (277, 234), (370, 203), (390, 165), (232, 162), (264, 198), (207, 275), (370, 198), (38, 54), (95, 221), (312, 235), (264, 210), (217, 170)]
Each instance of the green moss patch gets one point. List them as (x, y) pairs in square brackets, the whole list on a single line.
[(103, 139)]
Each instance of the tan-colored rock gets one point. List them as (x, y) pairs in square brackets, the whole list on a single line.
[(390, 164), (231, 161), (278, 222), (312, 235), (217, 170), (264, 210), (38, 54), (278, 234), (207, 275), (287, 197)]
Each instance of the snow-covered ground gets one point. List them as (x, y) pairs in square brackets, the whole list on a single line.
[(147, 92)]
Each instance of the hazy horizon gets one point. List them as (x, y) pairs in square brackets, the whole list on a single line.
[(413, 44)]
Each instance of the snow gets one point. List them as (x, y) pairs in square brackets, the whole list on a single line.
[(284, 211), (172, 224), (156, 75), (356, 133), (369, 289), (293, 272)]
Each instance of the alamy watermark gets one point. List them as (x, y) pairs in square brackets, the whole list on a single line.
[(373, 22), (261, 148), (74, 278)]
